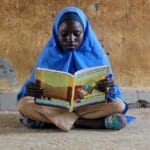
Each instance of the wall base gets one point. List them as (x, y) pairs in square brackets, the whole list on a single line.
[(8, 99)]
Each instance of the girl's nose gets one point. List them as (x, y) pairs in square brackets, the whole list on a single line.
[(71, 38)]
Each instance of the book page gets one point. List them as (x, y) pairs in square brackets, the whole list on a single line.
[(86, 91), (58, 84)]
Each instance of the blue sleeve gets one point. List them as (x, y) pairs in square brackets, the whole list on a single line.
[(116, 94), (23, 91)]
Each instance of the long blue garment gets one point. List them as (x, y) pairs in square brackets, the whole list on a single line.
[(89, 54)]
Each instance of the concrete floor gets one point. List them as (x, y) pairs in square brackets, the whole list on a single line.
[(13, 136)]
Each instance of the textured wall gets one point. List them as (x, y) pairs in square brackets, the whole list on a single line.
[(122, 25)]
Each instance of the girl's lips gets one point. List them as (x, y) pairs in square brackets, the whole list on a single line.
[(70, 46)]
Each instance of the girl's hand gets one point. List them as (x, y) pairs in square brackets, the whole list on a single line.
[(35, 91), (106, 85)]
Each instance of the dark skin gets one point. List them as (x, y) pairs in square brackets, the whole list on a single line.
[(71, 35)]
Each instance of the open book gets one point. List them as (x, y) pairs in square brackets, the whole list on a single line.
[(71, 91)]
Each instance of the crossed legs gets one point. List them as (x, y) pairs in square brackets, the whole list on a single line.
[(63, 119)]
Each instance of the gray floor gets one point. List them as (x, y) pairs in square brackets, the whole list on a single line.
[(13, 136)]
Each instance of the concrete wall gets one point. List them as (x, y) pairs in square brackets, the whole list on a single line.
[(8, 99), (122, 26)]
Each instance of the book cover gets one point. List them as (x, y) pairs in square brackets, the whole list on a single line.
[(71, 91)]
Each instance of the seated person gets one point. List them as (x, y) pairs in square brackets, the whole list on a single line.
[(73, 46)]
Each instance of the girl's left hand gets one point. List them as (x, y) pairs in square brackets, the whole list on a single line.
[(106, 85)]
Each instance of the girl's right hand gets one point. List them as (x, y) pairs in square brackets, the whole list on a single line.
[(35, 91)]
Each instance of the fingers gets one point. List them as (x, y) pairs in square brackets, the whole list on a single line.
[(35, 95), (106, 85), (106, 82), (106, 89), (35, 91), (109, 89)]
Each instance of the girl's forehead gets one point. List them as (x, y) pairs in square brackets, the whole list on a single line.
[(72, 23)]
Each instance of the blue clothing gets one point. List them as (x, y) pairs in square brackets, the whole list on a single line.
[(89, 54)]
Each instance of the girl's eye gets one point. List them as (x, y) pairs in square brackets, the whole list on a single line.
[(64, 33), (77, 33)]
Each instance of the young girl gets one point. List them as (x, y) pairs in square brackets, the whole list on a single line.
[(73, 46)]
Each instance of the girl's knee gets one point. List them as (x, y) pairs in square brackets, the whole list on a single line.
[(119, 106), (23, 104)]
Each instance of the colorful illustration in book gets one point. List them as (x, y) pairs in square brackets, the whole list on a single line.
[(85, 91)]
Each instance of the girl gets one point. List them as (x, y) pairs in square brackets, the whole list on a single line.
[(73, 46)]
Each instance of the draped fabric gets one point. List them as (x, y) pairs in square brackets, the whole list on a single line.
[(89, 54)]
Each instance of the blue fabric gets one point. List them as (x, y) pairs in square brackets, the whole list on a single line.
[(130, 119), (69, 16), (89, 54)]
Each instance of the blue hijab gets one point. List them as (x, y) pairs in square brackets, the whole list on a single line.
[(89, 54)]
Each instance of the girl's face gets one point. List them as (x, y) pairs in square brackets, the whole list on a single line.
[(70, 35)]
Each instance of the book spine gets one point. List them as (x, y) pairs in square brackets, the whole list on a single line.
[(69, 94), (72, 96)]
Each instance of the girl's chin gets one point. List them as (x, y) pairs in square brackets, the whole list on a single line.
[(69, 49)]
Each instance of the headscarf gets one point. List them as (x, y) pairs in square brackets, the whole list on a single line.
[(89, 54), (69, 16)]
